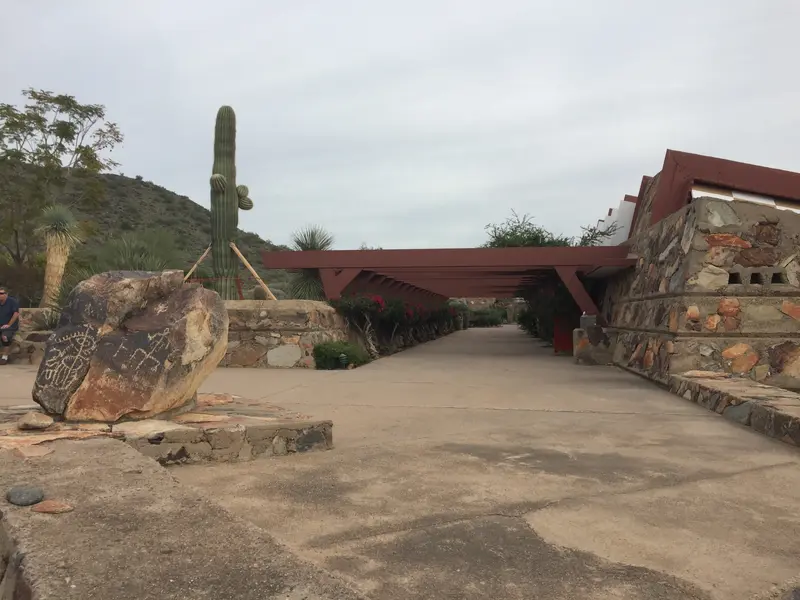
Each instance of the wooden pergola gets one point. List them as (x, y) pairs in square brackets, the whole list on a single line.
[(434, 275)]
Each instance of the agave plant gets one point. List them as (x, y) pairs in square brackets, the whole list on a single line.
[(306, 284), (61, 233)]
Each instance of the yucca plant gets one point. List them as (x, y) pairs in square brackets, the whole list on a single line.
[(61, 232), (306, 284)]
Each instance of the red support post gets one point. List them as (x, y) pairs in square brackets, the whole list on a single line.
[(335, 280), (569, 275)]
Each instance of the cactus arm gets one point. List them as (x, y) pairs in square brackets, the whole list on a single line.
[(244, 201), (218, 182)]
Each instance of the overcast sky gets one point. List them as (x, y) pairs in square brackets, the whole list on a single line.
[(415, 123)]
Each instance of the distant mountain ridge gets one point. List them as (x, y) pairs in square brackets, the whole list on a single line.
[(133, 204)]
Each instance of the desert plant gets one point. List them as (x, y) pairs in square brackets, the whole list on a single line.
[(61, 232), (226, 200), (328, 355), (306, 283), (486, 317)]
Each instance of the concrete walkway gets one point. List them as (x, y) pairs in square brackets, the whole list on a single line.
[(481, 466)]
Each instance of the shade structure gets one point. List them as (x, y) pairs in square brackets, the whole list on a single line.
[(437, 274)]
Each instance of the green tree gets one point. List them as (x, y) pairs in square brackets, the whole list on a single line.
[(549, 298), (520, 231), (44, 145), (61, 232), (306, 284)]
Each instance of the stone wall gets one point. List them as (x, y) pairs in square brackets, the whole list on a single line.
[(262, 334), (280, 334), (716, 288)]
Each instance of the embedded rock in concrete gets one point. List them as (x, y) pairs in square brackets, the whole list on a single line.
[(767, 233), (284, 356), (727, 239), (728, 307), (757, 257), (131, 345), (791, 309), (710, 278), (720, 214), (52, 507), (24, 495)]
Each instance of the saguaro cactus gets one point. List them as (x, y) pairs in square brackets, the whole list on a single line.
[(226, 200)]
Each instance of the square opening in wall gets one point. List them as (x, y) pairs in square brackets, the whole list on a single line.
[(779, 277), (756, 279), (734, 278)]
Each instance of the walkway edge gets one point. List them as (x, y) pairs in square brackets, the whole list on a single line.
[(770, 411)]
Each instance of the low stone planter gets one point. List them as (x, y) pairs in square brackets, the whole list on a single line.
[(279, 334), (28, 346)]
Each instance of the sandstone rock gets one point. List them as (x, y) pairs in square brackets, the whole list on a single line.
[(286, 355), (757, 257), (52, 507), (719, 256), (35, 420), (742, 357), (736, 350), (247, 354), (649, 359), (791, 309), (215, 399), (728, 307), (673, 319), (712, 321), (727, 239), (720, 214), (131, 344), (767, 233), (731, 323), (792, 268), (693, 313), (742, 364), (33, 451), (710, 278), (761, 372), (785, 358)]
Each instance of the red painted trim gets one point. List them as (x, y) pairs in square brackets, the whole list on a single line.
[(335, 280), (582, 298), (448, 258), (682, 170)]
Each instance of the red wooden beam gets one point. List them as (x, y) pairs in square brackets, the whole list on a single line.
[(335, 280), (447, 258), (582, 298), (681, 170)]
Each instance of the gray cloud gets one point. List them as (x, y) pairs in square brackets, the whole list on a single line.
[(416, 123)]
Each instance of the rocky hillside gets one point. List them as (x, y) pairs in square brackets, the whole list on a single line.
[(131, 205)]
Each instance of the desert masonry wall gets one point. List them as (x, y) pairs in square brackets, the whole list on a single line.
[(716, 288)]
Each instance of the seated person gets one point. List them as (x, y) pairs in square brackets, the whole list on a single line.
[(9, 323)]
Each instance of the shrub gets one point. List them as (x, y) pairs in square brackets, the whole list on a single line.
[(526, 320), (327, 355), (387, 325), (487, 317)]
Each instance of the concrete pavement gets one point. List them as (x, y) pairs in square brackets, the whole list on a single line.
[(480, 465)]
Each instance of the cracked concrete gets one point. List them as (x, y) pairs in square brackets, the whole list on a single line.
[(480, 465)]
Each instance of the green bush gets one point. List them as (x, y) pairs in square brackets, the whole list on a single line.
[(326, 355), (487, 317), (527, 321)]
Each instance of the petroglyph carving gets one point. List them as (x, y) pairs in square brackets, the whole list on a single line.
[(115, 352)]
